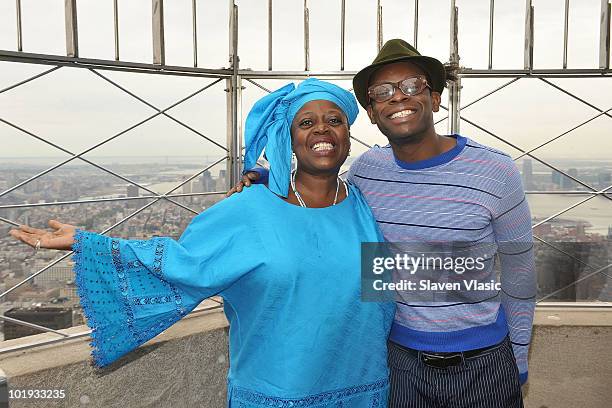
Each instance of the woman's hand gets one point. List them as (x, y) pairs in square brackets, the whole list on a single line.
[(62, 236), (246, 181)]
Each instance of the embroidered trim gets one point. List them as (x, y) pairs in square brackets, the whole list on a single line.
[(123, 287), (80, 281), (85, 251), (141, 336), (151, 300), (143, 243), (245, 395), (375, 401), (157, 270)]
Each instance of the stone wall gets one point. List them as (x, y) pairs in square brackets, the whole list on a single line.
[(185, 367), (570, 366)]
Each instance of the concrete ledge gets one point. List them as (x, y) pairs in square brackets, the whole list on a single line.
[(186, 366), (573, 316), (569, 367), (78, 350)]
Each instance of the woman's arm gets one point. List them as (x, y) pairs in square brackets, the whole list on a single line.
[(61, 237), (132, 290)]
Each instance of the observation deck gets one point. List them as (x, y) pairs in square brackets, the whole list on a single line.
[(126, 118)]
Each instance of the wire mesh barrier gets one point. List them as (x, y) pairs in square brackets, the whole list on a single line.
[(571, 199)]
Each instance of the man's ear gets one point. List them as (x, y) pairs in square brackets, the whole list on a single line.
[(436, 99), (370, 114)]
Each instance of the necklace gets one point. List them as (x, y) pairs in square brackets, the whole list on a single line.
[(301, 200)]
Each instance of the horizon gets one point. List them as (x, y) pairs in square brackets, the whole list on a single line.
[(74, 108)]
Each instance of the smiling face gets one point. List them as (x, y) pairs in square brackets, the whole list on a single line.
[(320, 137), (403, 119)]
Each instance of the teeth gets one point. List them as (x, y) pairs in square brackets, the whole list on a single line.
[(402, 114), (321, 146)]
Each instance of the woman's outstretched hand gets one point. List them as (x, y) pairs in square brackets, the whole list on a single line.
[(61, 237)]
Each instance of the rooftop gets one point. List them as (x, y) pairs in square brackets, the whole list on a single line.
[(106, 130)]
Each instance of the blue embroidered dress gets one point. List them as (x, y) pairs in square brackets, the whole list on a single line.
[(290, 278)]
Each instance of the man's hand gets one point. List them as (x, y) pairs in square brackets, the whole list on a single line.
[(62, 236), (246, 181)]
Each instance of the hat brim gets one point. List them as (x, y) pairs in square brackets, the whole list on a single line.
[(432, 67)]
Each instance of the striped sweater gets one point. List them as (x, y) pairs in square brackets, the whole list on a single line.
[(470, 194)]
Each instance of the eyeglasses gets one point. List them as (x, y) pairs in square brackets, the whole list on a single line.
[(410, 86)]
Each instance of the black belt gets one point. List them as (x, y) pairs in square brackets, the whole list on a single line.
[(444, 360)]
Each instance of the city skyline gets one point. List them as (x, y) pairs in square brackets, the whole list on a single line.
[(76, 108), (149, 183), (167, 219)]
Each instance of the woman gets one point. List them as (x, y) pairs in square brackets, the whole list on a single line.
[(289, 275)]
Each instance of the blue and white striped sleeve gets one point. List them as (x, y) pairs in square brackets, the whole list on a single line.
[(512, 229)]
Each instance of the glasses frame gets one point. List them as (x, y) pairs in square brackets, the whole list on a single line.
[(396, 86)]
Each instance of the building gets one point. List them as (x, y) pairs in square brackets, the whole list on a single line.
[(604, 178), (222, 180), (556, 177), (132, 191), (56, 276), (51, 317), (206, 181), (187, 186), (566, 182), (528, 174)]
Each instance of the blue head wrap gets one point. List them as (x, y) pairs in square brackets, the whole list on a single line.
[(268, 125)]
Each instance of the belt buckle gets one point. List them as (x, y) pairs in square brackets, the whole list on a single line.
[(441, 361)]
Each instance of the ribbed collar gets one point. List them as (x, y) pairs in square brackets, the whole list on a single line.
[(436, 160)]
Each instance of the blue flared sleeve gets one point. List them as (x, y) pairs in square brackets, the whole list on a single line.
[(132, 290)]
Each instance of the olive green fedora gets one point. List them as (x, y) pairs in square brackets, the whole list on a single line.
[(397, 50)]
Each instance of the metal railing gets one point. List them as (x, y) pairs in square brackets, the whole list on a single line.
[(235, 78)]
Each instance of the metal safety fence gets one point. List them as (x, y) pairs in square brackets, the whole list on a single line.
[(235, 79)]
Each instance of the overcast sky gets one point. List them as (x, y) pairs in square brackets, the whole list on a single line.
[(75, 108)]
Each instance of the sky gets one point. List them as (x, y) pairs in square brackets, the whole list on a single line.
[(76, 108)]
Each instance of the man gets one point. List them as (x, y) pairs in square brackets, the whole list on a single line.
[(425, 187)]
